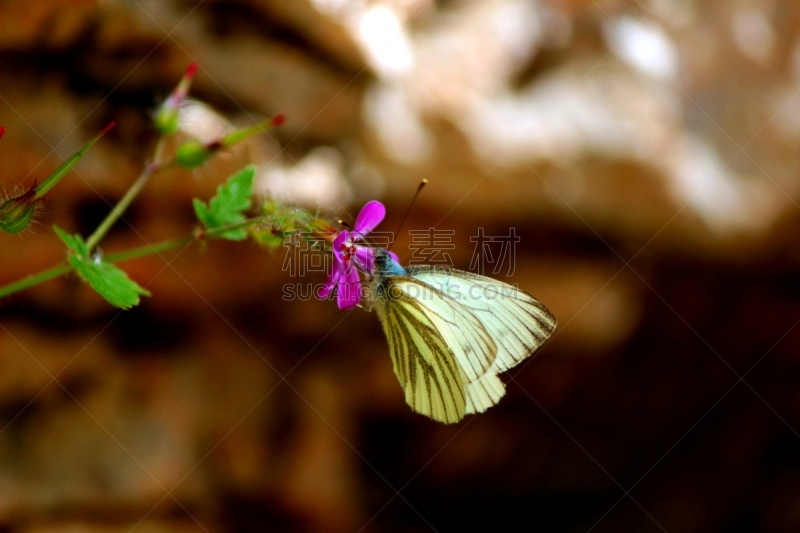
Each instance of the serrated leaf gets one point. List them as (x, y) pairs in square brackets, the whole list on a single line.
[(73, 242), (109, 281), (233, 198), (106, 279)]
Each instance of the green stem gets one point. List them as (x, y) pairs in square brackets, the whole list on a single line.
[(45, 275), (34, 279), (126, 200), (177, 243), (149, 249)]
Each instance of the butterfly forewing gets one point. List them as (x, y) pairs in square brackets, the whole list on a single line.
[(516, 321)]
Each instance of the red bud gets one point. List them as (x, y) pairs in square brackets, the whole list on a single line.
[(278, 120), (107, 128), (191, 70)]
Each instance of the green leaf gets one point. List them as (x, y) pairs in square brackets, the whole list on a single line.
[(74, 242), (109, 281), (229, 205)]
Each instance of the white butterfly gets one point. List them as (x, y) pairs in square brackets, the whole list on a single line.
[(451, 332)]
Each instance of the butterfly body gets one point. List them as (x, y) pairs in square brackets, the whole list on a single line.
[(451, 332)]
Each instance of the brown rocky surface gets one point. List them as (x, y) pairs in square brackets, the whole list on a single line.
[(644, 152)]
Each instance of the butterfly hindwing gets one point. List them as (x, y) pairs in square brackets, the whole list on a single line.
[(484, 393)]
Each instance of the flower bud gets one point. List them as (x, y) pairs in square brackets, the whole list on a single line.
[(16, 213), (167, 119), (240, 135), (192, 154)]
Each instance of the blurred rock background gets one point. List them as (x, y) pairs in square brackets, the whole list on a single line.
[(644, 151)]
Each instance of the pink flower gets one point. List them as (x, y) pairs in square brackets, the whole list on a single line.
[(349, 257)]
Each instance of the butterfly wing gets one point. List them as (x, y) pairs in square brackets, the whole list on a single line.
[(439, 349), (460, 329), (484, 392), (517, 322)]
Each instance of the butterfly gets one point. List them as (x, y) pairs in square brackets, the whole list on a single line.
[(451, 332)]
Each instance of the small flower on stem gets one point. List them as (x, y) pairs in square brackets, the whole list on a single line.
[(344, 276), (349, 257)]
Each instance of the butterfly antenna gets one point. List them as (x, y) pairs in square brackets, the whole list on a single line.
[(351, 228), (422, 184)]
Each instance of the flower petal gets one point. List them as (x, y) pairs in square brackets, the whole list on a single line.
[(394, 256), (365, 259), (370, 216), (331, 282), (349, 293), (338, 241)]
